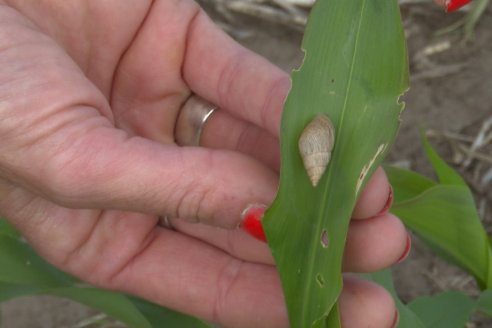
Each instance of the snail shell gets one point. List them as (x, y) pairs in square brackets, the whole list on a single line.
[(315, 145)]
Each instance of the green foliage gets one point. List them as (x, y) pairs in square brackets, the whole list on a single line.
[(469, 21), (446, 310), (484, 303), (21, 266), (23, 272), (444, 215), (8, 230), (354, 70), (473, 17)]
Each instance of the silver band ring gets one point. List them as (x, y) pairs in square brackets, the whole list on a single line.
[(165, 222), (191, 119)]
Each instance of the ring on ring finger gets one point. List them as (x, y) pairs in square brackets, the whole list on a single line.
[(191, 119)]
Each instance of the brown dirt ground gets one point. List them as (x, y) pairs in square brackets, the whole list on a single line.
[(439, 99)]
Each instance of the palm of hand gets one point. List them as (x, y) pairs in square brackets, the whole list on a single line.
[(87, 70)]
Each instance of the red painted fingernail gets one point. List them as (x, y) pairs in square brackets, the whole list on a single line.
[(396, 320), (454, 5), (408, 247), (388, 204), (251, 223)]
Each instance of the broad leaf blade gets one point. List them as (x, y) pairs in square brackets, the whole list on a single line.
[(354, 71), (8, 229), (130, 310), (10, 291), (445, 217), (445, 173), (20, 265), (161, 317), (407, 184), (23, 272), (445, 310), (484, 303)]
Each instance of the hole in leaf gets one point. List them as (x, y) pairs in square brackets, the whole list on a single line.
[(320, 280), (324, 239)]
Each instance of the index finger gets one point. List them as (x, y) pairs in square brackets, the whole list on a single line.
[(233, 77)]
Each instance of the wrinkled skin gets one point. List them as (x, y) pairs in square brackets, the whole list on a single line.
[(89, 95)]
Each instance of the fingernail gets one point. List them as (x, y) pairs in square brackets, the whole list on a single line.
[(408, 247), (251, 222), (454, 5), (396, 320), (388, 204)]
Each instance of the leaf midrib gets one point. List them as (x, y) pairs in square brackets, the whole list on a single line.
[(313, 248)]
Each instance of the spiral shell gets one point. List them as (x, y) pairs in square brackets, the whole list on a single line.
[(315, 145)]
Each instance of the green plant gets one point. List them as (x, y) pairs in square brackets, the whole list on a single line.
[(23, 273), (443, 214), (469, 21), (354, 71)]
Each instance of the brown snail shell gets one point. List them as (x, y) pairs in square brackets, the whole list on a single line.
[(315, 145)]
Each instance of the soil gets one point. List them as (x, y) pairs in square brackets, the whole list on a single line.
[(451, 90)]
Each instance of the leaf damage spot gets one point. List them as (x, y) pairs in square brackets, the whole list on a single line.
[(368, 166), (324, 239), (320, 280)]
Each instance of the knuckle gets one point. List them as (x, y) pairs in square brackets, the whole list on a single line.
[(194, 203), (66, 178)]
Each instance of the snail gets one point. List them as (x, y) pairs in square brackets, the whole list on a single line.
[(315, 145)]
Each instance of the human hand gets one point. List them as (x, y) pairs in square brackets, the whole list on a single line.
[(89, 95)]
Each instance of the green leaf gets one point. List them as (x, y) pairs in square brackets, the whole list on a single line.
[(7, 229), (408, 319), (446, 174), (333, 319), (355, 68), (23, 272), (478, 8), (131, 311), (445, 217), (484, 303), (10, 291), (406, 184), (445, 310), (161, 317), (114, 304), (20, 265)]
